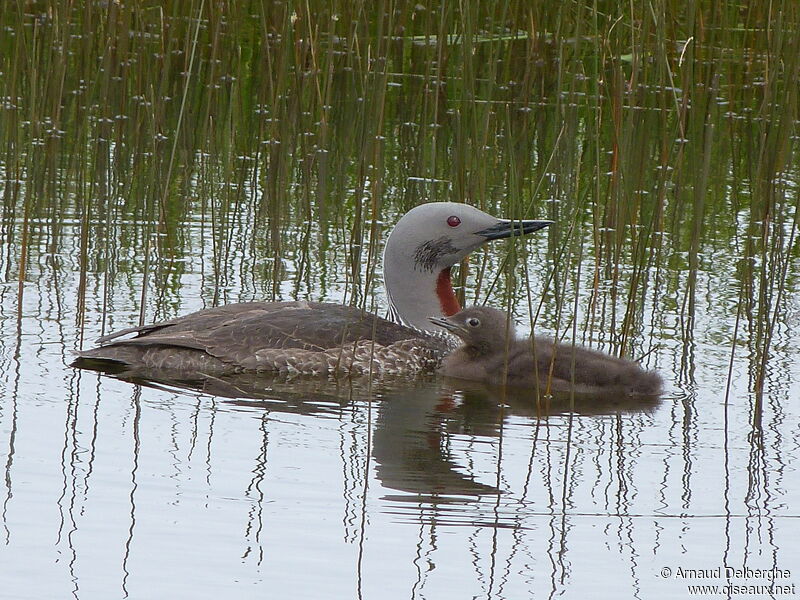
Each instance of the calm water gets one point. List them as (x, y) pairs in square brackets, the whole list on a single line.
[(677, 244), (425, 490)]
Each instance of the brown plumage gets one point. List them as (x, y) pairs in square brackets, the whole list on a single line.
[(279, 337), (492, 354)]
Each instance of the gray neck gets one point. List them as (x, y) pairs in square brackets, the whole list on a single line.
[(411, 291), (412, 297)]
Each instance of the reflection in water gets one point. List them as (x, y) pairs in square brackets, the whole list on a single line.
[(412, 450), (439, 449), (415, 418)]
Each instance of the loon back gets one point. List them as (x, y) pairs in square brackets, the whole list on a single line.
[(290, 337)]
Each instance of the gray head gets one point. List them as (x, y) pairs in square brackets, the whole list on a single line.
[(483, 330), (438, 235), (425, 243)]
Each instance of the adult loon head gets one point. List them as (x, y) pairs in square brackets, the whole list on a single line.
[(426, 242)]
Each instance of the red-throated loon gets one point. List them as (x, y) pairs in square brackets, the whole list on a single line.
[(491, 353), (311, 338)]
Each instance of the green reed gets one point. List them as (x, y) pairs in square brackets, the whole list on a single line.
[(270, 146)]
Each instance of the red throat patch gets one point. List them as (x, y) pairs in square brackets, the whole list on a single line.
[(444, 291)]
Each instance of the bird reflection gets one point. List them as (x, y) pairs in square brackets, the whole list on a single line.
[(411, 446), (416, 419)]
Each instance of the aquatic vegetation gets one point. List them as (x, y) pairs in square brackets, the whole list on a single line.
[(268, 147)]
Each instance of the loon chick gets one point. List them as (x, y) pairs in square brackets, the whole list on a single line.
[(312, 338), (492, 354)]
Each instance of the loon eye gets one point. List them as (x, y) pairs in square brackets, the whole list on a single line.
[(453, 221), (473, 322)]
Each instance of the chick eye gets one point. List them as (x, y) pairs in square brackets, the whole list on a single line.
[(453, 221), (473, 322)]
